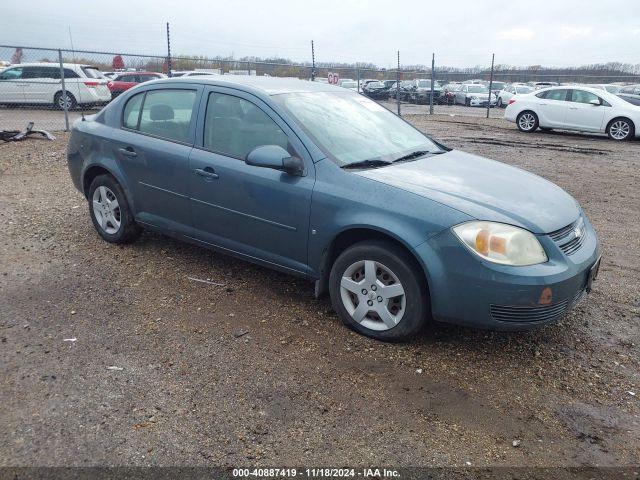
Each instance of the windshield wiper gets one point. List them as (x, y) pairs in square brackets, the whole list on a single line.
[(367, 163), (416, 154)]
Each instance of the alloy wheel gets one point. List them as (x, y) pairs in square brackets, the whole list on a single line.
[(64, 102), (106, 209), (527, 121), (619, 130), (373, 295)]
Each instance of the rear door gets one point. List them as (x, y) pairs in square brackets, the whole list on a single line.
[(582, 114), (552, 107), (258, 212), (152, 148), (11, 86)]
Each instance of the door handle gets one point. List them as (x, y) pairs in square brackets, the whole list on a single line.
[(128, 152), (207, 173)]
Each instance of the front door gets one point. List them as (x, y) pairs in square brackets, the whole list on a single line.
[(582, 114), (258, 212)]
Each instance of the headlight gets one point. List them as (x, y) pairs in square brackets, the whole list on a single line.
[(501, 243)]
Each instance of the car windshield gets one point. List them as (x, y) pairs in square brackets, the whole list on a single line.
[(612, 88), (478, 89), (498, 85), (350, 128), (376, 85), (92, 72)]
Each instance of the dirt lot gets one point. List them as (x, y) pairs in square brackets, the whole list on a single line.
[(189, 388)]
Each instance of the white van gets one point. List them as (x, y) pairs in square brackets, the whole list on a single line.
[(40, 83)]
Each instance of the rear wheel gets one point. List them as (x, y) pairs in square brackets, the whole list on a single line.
[(110, 211), (63, 100), (620, 129), (378, 290), (527, 121)]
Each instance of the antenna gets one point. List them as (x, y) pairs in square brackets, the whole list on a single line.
[(73, 53)]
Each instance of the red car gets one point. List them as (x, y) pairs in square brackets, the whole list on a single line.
[(124, 81)]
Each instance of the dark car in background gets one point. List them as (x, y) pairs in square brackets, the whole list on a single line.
[(124, 81), (375, 90), (420, 91), (634, 99)]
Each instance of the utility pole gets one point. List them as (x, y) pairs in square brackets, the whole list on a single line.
[(493, 57), (433, 79), (313, 62), (398, 84), (168, 52)]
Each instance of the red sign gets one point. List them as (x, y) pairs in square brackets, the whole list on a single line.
[(333, 78)]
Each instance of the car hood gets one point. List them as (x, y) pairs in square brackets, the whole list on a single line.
[(484, 189)]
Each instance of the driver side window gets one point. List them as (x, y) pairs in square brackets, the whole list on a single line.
[(234, 126), (582, 96)]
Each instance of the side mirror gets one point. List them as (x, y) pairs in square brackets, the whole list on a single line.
[(275, 157), (595, 103)]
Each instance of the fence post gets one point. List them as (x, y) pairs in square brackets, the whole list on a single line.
[(358, 78), (398, 85), (313, 62), (493, 57), (433, 77), (64, 93), (168, 52)]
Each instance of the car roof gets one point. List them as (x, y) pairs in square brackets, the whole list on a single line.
[(265, 85), (50, 64)]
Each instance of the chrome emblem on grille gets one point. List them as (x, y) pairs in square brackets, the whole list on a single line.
[(577, 232)]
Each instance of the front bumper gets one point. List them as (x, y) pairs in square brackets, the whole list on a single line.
[(468, 290), (481, 102)]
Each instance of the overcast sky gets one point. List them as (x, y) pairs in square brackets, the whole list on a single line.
[(460, 32)]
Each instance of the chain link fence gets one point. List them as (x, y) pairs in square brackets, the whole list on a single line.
[(52, 87)]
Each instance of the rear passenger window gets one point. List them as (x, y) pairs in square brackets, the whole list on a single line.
[(234, 126), (132, 111), (167, 113), (553, 95)]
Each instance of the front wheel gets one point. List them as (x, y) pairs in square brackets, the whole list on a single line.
[(378, 290), (500, 104), (620, 129), (110, 212), (527, 121)]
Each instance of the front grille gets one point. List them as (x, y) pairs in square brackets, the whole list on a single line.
[(570, 238), (504, 313), (546, 313)]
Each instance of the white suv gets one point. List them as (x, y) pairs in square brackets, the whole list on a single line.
[(40, 83)]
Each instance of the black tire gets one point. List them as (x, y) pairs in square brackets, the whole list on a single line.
[(615, 126), (410, 276), (531, 126), (467, 102), (129, 230), (500, 104), (58, 101)]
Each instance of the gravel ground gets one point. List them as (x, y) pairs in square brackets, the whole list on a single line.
[(168, 371)]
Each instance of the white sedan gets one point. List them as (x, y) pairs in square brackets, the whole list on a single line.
[(510, 91), (582, 109)]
